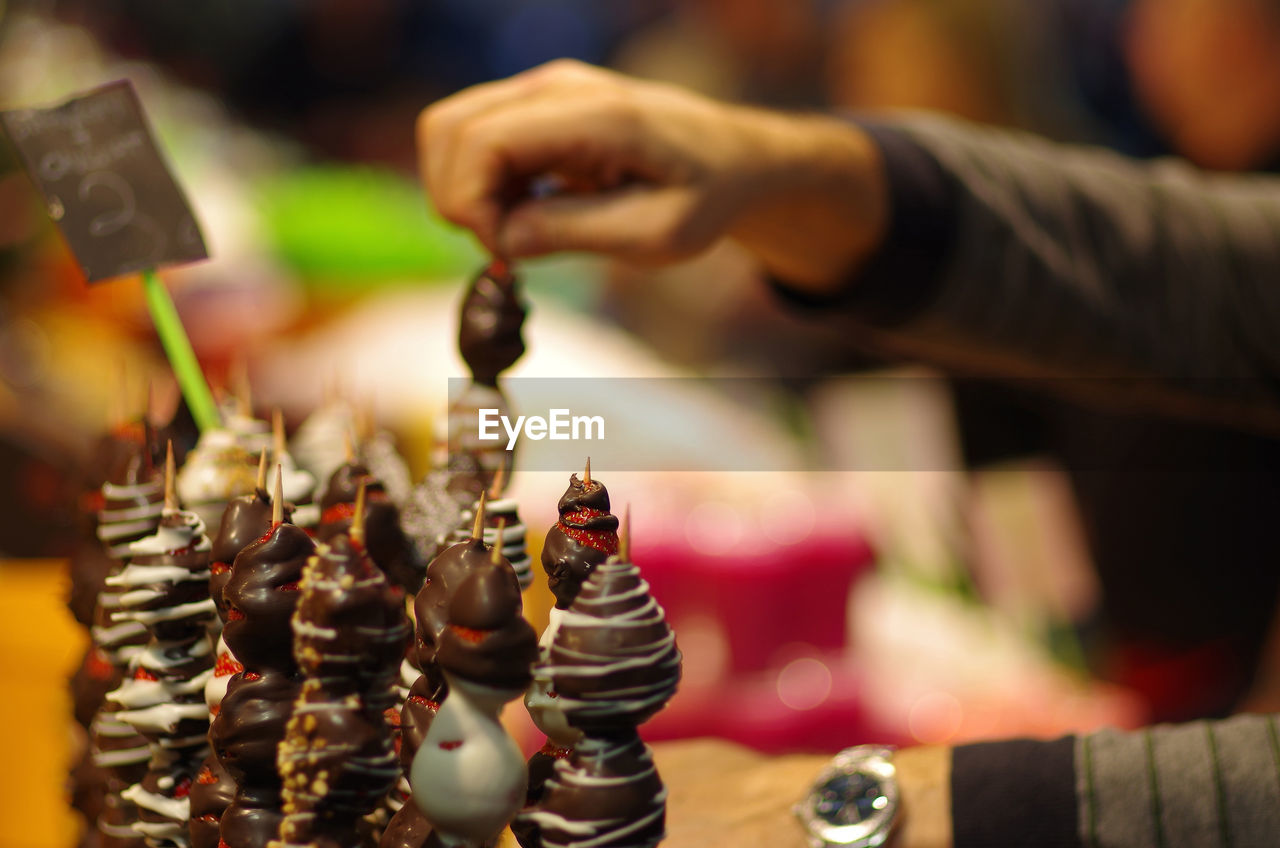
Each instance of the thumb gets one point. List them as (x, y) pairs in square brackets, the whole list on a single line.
[(637, 222)]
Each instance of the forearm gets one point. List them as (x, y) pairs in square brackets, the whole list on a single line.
[(1022, 258), (816, 206)]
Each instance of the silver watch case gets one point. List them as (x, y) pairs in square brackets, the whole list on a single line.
[(854, 802)]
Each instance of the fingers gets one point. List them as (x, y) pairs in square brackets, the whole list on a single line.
[(636, 222), (479, 149), (589, 138)]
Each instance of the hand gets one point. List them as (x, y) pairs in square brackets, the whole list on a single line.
[(651, 173), (719, 793)]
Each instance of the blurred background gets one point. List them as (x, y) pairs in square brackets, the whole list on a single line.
[(948, 560)]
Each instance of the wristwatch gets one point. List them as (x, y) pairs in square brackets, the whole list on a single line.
[(854, 802)]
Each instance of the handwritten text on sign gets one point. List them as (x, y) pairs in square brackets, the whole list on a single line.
[(105, 183)]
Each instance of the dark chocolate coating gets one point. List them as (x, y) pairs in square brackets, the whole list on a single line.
[(408, 828), (182, 431), (419, 711), (108, 634), (391, 550), (245, 826), (567, 561), (490, 324), (211, 794), (95, 677), (144, 489), (170, 774), (88, 787), (348, 594), (174, 594), (123, 456), (541, 767), (602, 701), (487, 599), (344, 485), (487, 640), (431, 606), (115, 824), (337, 762), (246, 519), (88, 568), (612, 785), (250, 725), (262, 594)]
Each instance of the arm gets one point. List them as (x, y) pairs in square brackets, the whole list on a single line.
[(1016, 257), (1204, 784), (1006, 254)]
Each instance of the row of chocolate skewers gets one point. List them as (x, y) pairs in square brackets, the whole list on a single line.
[(583, 537)]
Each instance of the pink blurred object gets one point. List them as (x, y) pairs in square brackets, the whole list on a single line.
[(762, 626), (813, 703), (747, 608)]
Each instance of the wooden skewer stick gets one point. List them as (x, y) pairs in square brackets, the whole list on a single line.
[(477, 527), (240, 387), (262, 470), (348, 446), (586, 475), (364, 420), (277, 497), (499, 482), (357, 517), (495, 555), (624, 535), (277, 433), (149, 410), (170, 480)]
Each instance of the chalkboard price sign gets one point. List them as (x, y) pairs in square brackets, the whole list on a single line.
[(105, 183)]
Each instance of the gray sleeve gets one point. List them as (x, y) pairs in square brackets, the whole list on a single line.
[(1201, 785), (1150, 282)]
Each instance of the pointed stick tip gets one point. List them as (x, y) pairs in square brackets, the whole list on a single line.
[(357, 517), (495, 555), (477, 526), (170, 479), (624, 535), (586, 474), (277, 432), (277, 497), (499, 482)]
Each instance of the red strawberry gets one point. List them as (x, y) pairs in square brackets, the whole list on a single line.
[(143, 674), (226, 666), (469, 633), (98, 666), (605, 541)]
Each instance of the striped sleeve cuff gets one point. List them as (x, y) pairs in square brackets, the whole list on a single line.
[(1198, 785)]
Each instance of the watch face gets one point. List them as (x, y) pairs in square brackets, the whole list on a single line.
[(854, 802), (849, 799)]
